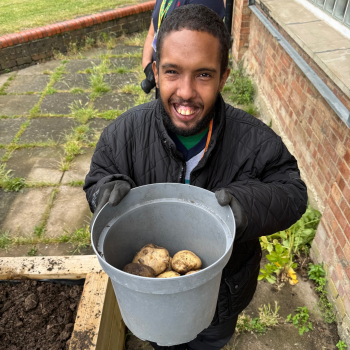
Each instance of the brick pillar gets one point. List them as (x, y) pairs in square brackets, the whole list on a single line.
[(240, 24)]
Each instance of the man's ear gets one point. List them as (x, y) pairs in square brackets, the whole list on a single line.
[(155, 72), (224, 78)]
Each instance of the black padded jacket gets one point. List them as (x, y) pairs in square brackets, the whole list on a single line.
[(244, 155)]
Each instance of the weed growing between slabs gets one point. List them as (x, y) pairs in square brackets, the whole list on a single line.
[(9, 183), (341, 345), (5, 85), (301, 320)]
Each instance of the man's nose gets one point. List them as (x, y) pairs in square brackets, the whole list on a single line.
[(186, 89)]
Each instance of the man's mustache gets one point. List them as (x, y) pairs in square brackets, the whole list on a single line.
[(187, 103)]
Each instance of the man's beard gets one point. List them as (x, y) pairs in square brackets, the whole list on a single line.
[(170, 126)]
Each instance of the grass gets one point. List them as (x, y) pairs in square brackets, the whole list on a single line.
[(75, 183), (81, 112), (9, 183), (121, 70), (79, 238), (76, 91), (5, 241), (23, 14), (5, 85), (111, 115), (137, 39), (32, 251)]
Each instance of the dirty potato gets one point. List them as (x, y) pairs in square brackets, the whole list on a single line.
[(168, 274), (153, 256), (169, 268), (139, 270), (189, 273), (185, 261)]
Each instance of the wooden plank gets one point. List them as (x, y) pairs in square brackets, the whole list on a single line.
[(49, 267), (89, 315)]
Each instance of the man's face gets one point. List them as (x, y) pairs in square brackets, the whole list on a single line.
[(189, 77)]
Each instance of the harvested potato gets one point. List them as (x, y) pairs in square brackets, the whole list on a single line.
[(139, 270), (169, 268), (168, 274), (189, 273), (185, 261), (153, 256)]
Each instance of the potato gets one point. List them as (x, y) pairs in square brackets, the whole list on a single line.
[(185, 261), (189, 273), (169, 265), (153, 256), (168, 274), (139, 270)]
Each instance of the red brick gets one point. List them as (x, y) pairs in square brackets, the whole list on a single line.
[(337, 195), (340, 237), (337, 212), (346, 193), (344, 169), (330, 150), (347, 232)]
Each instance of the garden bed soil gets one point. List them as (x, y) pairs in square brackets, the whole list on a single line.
[(37, 315)]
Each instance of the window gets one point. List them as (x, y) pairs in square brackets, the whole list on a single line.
[(339, 9)]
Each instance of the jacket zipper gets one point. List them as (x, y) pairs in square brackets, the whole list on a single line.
[(183, 166)]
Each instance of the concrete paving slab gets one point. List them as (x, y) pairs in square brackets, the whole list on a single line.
[(12, 105), (70, 211), (45, 129), (339, 63), (80, 167), (40, 68), (125, 62), (9, 128), (23, 83), (74, 66), (26, 210), (95, 52), (74, 80), (120, 49), (6, 200), (5, 77), (117, 81), (114, 101), (2, 153), (60, 103), (96, 126), (37, 164)]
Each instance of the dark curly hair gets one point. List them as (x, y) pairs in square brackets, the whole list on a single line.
[(197, 18)]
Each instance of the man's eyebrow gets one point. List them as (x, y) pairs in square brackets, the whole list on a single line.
[(173, 65)]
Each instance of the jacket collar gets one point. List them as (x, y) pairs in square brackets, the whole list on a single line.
[(168, 143)]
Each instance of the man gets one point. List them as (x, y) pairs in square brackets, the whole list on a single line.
[(235, 155), (161, 10)]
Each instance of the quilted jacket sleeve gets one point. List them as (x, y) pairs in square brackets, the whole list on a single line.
[(274, 201), (103, 169)]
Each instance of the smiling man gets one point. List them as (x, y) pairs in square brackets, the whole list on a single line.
[(190, 135)]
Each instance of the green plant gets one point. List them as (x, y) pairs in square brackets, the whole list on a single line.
[(32, 251), (111, 115), (7, 70), (121, 70), (301, 320), (39, 231), (50, 91), (251, 109), (316, 272), (79, 238), (8, 183), (341, 345), (74, 183), (76, 91), (137, 39), (5, 240), (81, 112)]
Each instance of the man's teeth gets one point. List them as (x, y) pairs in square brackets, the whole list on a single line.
[(184, 111)]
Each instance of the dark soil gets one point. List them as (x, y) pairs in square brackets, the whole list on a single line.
[(37, 315)]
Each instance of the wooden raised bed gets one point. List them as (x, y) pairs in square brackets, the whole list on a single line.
[(99, 324)]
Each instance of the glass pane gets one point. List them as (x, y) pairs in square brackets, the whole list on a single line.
[(339, 10), (320, 3), (347, 16), (329, 6)]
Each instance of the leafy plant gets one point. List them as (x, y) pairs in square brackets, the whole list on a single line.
[(316, 272), (301, 320), (39, 231), (32, 251), (5, 240), (8, 183), (79, 238), (341, 345), (81, 112)]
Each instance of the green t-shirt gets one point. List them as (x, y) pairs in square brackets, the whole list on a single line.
[(191, 141)]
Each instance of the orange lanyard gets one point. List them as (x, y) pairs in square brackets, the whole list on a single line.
[(209, 136)]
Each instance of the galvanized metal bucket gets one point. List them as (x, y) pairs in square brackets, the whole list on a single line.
[(178, 217)]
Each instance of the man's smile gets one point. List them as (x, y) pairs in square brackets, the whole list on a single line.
[(185, 112)]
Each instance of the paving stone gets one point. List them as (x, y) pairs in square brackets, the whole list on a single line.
[(60, 103), (45, 129), (120, 49), (25, 210), (70, 211), (5, 77), (74, 66), (37, 164), (80, 167), (40, 68), (95, 53), (125, 62), (25, 83), (9, 128), (96, 126), (70, 81), (2, 153), (117, 81), (12, 105), (114, 101)]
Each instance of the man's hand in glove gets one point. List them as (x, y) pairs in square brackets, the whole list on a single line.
[(111, 192), (225, 198)]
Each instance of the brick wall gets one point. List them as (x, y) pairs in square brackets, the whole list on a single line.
[(318, 139), (29, 47)]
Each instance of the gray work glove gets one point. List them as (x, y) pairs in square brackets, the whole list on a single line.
[(225, 198), (112, 192)]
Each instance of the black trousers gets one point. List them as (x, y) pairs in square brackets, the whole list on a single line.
[(212, 338)]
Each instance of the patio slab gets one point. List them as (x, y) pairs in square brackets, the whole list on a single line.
[(74, 66), (117, 81), (45, 129), (125, 62), (32, 83), (60, 103), (2, 153), (95, 53), (26, 210), (70, 211), (111, 101), (80, 167), (75, 80), (13, 105), (120, 49), (37, 164), (9, 128), (40, 68)]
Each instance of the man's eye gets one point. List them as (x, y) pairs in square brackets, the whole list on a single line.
[(170, 72), (205, 75)]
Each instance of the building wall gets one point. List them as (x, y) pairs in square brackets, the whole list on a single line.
[(315, 135)]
